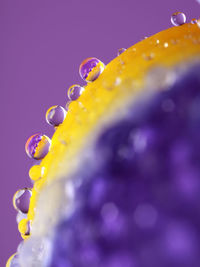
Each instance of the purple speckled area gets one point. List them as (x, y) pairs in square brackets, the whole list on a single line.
[(140, 207), (56, 115), (33, 143), (87, 66), (22, 200)]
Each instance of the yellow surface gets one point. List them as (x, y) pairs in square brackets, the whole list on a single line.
[(121, 80)]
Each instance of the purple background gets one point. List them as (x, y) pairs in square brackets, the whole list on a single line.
[(42, 44)]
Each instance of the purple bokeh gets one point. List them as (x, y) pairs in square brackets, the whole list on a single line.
[(42, 45)]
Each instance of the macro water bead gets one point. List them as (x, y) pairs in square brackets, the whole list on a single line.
[(36, 172), (90, 69), (24, 227), (178, 18), (55, 115), (193, 21), (120, 51), (37, 146), (74, 92), (21, 200)]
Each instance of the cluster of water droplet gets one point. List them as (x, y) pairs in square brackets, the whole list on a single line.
[(38, 145)]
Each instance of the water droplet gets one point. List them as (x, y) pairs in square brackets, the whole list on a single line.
[(178, 18), (193, 21), (21, 200), (74, 92), (198, 23), (37, 146), (148, 56), (120, 51), (13, 261), (157, 41), (36, 172), (55, 115), (166, 45), (24, 227), (90, 69)]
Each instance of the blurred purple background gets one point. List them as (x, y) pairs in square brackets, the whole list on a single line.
[(42, 44)]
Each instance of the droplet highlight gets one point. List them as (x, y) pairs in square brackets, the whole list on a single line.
[(120, 51), (74, 92)]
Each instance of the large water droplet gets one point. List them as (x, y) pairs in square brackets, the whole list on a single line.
[(21, 200), (90, 69), (178, 18), (37, 146), (55, 115), (74, 92)]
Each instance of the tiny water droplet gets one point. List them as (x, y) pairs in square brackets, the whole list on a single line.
[(193, 21), (166, 44), (178, 18), (55, 115), (21, 200), (117, 81), (148, 56), (198, 23), (120, 51), (90, 69), (74, 92), (37, 146)]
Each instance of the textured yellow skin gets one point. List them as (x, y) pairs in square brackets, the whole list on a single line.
[(121, 80)]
